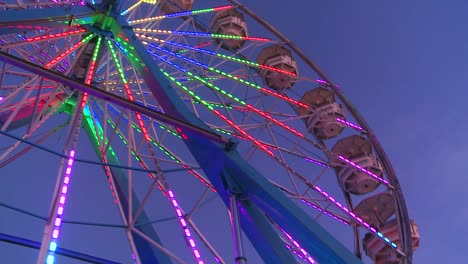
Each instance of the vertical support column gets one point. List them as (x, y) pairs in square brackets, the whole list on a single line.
[(236, 232)]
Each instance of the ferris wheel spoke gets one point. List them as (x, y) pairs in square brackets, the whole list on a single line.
[(42, 37), (199, 34), (14, 20), (158, 245), (179, 14)]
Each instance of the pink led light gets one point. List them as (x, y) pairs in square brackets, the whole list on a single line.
[(349, 124), (183, 223), (276, 121), (63, 55), (219, 8), (236, 127), (370, 173), (355, 217), (266, 67), (62, 199), (325, 212), (55, 233), (302, 253)]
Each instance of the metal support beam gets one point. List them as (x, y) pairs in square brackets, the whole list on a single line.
[(236, 232), (112, 98)]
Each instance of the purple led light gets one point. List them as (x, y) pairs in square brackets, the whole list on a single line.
[(316, 162), (370, 173), (349, 124), (325, 212), (62, 199), (183, 223), (302, 253), (354, 216), (321, 81)]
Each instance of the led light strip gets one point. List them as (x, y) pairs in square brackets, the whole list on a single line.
[(356, 127), (92, 66), (298, 246), (368, 172), (321, 210), (131, 8), (58, 217), (68, 51), (224, 56), (199, 34), (58, 35), (184, 225), (180, 14), (354, 216)]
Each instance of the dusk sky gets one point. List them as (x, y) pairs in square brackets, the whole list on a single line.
[(404, 65)]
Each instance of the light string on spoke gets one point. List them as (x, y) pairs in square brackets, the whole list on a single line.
[(180, 14), (199, 34)]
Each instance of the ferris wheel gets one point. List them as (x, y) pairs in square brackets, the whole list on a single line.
[(219, 140)]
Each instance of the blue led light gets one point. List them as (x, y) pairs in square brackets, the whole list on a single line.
[(50, 259), (53, 246)]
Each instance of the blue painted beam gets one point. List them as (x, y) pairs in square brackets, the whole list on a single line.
[(60, 251)]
